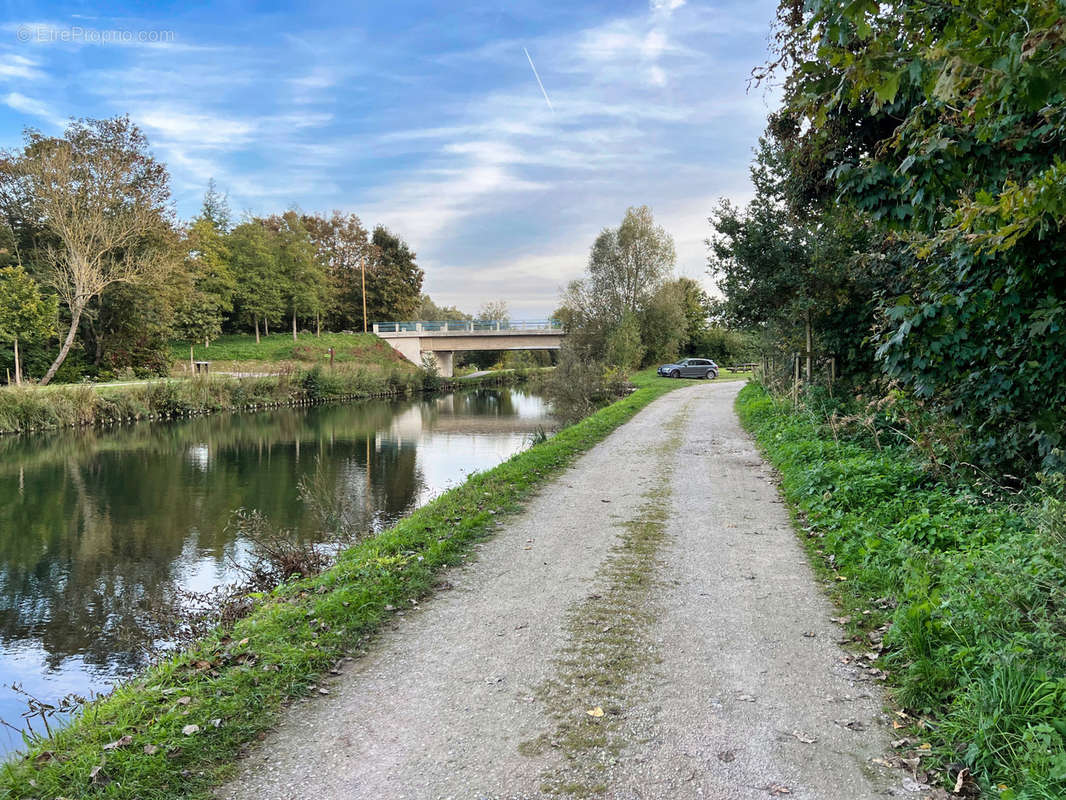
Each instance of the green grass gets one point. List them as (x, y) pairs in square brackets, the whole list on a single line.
[(972, 588), (244, 677), (364, 349)]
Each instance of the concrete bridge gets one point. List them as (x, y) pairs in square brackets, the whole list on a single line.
[(443, 339)]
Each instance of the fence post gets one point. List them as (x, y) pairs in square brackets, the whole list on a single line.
[(795, 380)]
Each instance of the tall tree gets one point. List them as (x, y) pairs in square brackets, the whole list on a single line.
[(300, 269), (629, 263), (104, 202), (394, 285), (211, 282), (26, 315), (343, 247), (254, 257)]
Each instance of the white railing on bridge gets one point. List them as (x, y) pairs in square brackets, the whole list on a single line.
[(468, 326)]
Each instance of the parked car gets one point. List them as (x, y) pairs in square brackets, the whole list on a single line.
[(690, 368)]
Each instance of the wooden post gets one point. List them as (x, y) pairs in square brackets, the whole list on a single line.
[(294, 324), (795, 379), (809, 345), (331, 358), (362, 264), (256, 321), (18, 366), (192, 362)]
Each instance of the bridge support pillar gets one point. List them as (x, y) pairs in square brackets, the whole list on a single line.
[(445, 362)]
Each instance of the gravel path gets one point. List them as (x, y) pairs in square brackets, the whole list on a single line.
[(647, 628)]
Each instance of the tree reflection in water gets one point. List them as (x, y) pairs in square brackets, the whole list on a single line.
[(96, 525)]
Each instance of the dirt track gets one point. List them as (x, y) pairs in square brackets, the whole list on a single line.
[(647, 628)]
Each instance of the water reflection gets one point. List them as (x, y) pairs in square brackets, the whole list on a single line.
[(95, 524)]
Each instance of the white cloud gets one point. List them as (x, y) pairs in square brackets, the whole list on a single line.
[(19, 68), (35, 108)]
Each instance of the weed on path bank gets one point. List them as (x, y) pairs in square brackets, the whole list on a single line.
[(962, 597), (176, 730)]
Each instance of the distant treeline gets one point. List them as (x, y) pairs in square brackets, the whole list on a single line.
[(97, 274)]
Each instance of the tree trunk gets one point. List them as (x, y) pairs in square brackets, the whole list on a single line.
[(18, 366), (266, 326), (256, 320), (67, 342), (294, 325), (318, 324), (207, 342)]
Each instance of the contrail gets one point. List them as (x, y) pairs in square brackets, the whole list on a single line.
[(539, 83)]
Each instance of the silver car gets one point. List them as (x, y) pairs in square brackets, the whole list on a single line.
[(690, 368)]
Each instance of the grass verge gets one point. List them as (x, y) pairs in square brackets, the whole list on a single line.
[(364, 349), (963, 596), (176, 730)]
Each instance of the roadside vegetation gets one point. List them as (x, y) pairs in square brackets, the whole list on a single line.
[(176, 730), (955, 588)]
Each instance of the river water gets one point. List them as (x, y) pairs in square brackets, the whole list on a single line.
[(96, 524)]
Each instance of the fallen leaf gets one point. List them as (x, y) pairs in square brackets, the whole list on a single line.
[(726, 756), (841, 620), (189, 730), (595, 712), (125, 741), (184, 701), (965, 782), (150, 749), (776, 789), (809, 634), (911, 785), (217, 722), (803, 737), (746, 698), (242, 642), (98, 777)]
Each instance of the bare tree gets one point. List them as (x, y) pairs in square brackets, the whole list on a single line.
[(102, 203)]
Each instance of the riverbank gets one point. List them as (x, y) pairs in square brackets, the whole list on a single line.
[(176, 730), (960, 598), (32, 409)]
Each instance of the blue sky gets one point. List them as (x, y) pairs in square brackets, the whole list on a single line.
[(424, 116)]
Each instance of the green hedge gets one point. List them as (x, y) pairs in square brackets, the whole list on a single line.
[(977, 643)]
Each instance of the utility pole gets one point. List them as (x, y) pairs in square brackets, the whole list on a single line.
[(362, 262)]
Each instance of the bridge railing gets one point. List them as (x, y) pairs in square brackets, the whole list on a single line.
[(467, 326)]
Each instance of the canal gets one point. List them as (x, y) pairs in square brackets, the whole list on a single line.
[(97, 525)]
